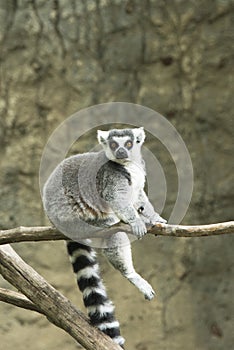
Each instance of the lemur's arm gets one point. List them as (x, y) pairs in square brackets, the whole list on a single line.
[(146, 210), (119, 199)]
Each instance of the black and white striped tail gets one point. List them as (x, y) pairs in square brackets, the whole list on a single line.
[(100, 308)]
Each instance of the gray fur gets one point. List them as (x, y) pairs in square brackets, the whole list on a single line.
[(93, 190)]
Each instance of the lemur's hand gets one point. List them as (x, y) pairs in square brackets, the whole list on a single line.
[(153, 220), (138, 228), (157, 219), (149, 216)]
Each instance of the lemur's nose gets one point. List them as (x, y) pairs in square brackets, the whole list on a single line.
[(121, 153)]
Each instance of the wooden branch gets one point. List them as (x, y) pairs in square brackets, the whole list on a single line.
[(194, 230), (50, 302), (40, 296), (17, 299), (45, 233), (27, 234)]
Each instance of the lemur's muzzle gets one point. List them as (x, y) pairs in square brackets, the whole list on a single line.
[(121, 153)]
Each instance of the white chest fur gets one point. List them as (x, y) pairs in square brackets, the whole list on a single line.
[(137, 174)]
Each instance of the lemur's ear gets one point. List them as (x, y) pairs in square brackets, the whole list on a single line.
[(139, 134), (102, 136)]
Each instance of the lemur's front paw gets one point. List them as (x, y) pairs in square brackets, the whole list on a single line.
[(138, 228), (157, 219)]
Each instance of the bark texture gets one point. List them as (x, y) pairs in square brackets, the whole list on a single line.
[(49, 233), (50, 302)]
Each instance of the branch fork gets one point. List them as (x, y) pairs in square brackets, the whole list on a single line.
[(38, 295)]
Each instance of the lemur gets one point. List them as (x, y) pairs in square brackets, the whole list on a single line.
[(117, 174)]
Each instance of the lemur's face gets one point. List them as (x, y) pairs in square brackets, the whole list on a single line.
[(121, 145)]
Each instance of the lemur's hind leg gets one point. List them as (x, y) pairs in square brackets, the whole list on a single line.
[(120, 256)]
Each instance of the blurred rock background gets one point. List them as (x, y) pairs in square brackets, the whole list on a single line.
[(175, 57)]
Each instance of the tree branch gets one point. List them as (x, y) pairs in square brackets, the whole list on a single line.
[(27, 234), (194, 230), (17, 299), (50, 302), (45, 233), (40, 296)]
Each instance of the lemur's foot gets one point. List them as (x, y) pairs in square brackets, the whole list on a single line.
[(143, 286), (149, 293)]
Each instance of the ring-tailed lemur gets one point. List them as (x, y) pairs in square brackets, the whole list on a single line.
[(117, 174)]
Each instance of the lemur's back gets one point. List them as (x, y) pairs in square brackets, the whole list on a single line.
[(70, 203), (74, 193)]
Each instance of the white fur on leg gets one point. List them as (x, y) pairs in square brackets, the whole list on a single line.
[(143, 286), (120, 256)]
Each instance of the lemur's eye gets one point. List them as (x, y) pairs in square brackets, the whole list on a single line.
[(128, 144), (113, 145)]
